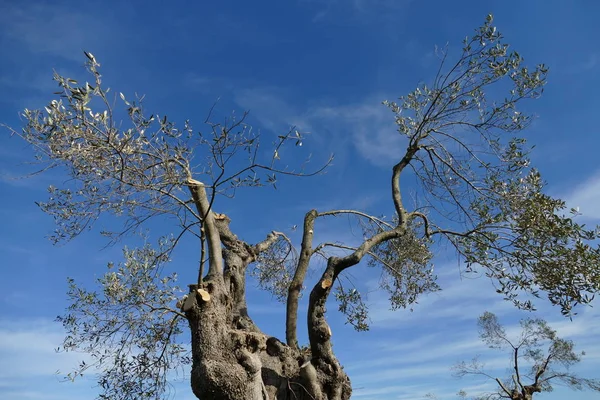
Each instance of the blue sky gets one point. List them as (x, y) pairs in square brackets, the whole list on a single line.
[(323, 66)]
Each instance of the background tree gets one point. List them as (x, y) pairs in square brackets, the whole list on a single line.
[(474, 189), (546, 367)]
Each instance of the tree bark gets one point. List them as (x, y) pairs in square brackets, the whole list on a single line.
[(306, 252), (232, 359)]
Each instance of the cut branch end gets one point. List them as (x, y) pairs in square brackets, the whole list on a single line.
[(204, 295)]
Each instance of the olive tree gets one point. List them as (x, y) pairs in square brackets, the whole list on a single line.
[(534, 370), (475, 190)]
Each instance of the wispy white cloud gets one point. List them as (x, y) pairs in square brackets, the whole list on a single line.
[(37, 394), (40, 81), (398, 392), (584, 66), (197, 83), (370, 126), (52, 29), (585, 196), (269, 106), (367, 126), (359, 11), (460, 299), (27, 353), (50, 35), (28, 348), (22, 181)]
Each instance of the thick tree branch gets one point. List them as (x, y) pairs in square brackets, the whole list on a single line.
[(215, 257), (319, 332), (396, 172), (306, 252), (321, 246), (356, 256)]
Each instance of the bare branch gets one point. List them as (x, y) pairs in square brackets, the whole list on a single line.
[(378, 221), (306, 252), (504, 388), (215, 266), (271, 238)]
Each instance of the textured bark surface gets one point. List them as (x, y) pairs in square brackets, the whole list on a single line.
[(232, 359)]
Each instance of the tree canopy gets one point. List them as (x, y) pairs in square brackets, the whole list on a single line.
[(475, 190)]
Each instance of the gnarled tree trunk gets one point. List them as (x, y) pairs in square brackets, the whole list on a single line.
[(234, 360), (231, 358)]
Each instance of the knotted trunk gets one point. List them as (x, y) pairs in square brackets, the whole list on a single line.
[(231, 358)]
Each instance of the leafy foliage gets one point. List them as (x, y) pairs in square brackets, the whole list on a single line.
[(406, 267), (476, 187), (138, 172), (274, 268), (351, 304), (128, 328)]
